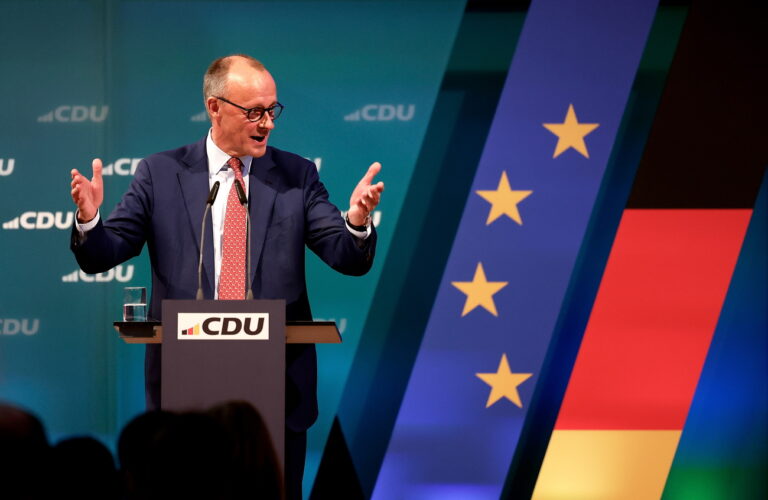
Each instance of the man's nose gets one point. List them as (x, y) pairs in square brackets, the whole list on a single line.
[(266, 122)]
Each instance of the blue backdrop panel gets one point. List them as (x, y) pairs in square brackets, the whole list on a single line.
[(446, 442), (62, 368), (123, 79)]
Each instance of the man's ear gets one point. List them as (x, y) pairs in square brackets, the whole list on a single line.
[(212, 106)]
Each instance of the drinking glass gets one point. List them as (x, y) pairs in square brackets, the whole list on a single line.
[(135, 303)]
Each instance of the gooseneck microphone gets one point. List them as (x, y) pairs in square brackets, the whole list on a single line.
[(244, 202), (208, 204)]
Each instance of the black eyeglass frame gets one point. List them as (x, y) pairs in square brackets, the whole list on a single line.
[(274, 111)]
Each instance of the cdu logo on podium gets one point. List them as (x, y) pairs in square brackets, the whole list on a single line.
[(199, 326)]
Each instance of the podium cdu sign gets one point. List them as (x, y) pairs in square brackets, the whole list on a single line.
[(206, 326), (198, 375)]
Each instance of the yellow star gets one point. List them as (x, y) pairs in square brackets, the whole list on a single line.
[(479, 291), (504, 383), (504, 201), (571, 133)]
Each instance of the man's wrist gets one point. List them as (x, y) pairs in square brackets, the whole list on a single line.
[(359, 227), (81, 219), (84, 227)]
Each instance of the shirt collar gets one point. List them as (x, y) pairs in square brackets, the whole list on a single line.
[(217, 159)]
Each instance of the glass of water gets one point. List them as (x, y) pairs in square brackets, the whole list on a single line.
[(135, 303)]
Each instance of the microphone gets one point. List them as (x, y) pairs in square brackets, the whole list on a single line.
[(209, 202), (214, 192), (244, 202)]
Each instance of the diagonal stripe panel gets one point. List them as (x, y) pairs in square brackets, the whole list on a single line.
[(653, 319), (642, 353)]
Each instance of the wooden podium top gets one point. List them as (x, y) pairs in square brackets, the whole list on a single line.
[(296, 332)]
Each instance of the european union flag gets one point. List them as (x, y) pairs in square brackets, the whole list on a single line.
[(515, 250)]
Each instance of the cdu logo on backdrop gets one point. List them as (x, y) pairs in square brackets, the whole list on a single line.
[(121, 166), (199, 117), (7, 164), (119, 273), (75, 114), (14, 326), (382, 113), (41, 220)]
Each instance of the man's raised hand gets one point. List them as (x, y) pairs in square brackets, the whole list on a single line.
[(88, 194), (365, 197)]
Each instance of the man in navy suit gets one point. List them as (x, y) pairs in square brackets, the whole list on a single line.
[(289, 208)]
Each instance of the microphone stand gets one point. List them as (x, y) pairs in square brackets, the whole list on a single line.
[(211, 198), (244, 202)]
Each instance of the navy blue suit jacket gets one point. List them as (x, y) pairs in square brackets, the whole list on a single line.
[(289, 209)]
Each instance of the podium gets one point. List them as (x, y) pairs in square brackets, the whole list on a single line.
[(216, 351)]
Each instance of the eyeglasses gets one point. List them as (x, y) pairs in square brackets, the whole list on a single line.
[(257, 113)]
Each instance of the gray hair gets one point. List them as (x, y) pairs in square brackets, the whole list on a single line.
[(215, 79)]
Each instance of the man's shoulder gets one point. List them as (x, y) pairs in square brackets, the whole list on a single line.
[(293, 169), (185, 155), (287, 159)]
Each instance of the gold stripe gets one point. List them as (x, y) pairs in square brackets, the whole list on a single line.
[(606, 464)]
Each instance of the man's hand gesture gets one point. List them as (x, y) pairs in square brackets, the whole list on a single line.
[(365, 197), (87, 194)]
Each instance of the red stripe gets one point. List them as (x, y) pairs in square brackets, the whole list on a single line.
[(653, 319)]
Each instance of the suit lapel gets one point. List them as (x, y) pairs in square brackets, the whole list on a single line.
[(262, 190), (194, 189)]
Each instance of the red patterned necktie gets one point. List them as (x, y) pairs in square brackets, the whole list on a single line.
[(232, 277)]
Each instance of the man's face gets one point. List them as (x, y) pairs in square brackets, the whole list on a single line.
[(232, 131)]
